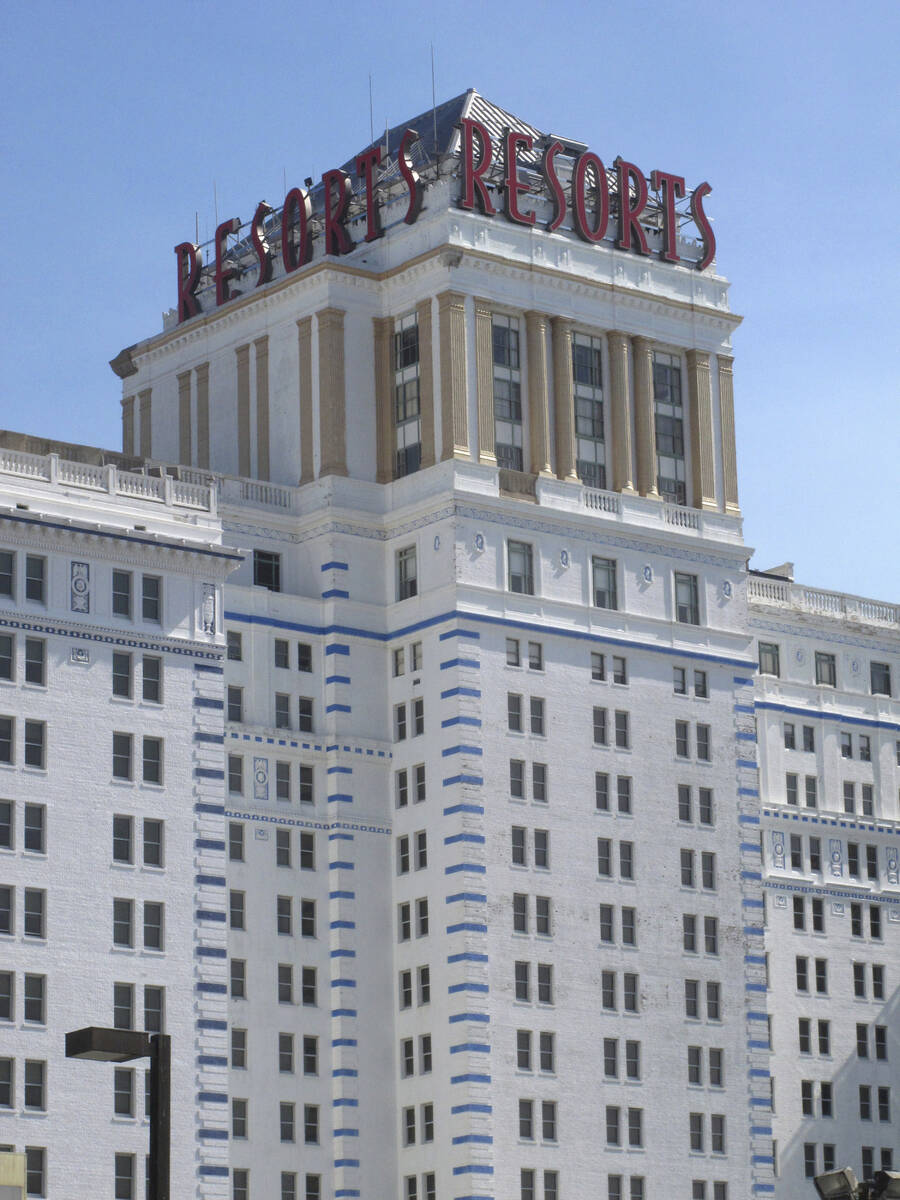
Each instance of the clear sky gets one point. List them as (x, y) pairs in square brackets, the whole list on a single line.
[(120, 120)]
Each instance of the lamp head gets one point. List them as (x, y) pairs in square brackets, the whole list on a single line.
[(837, 1185), (887, 1184)]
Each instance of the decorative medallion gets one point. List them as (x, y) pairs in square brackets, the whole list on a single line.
[(260, 779), (80, 656), (800, 656), (778, 849), (479, 543), (437, 541), (81, 587), (727, 589), (647, 573), (564, 559), (835, 852)]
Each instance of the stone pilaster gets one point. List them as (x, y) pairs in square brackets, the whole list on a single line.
[(184, 418), (332, 406), (454, 416), (261, 346), (304, 397), (564, 399), (538, 397), (242, 353), (146, 446), (128, 425), (644, 417), (484, 371), (620, 423), (383, 328), (426, 382), (726, 428), (203, 415), (702, 459)]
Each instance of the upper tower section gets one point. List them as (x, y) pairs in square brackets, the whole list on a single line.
[(468, 287)]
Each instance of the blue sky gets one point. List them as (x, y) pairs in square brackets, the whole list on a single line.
[(120, 120)]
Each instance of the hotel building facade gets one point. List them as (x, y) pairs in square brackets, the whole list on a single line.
[(472, 818)]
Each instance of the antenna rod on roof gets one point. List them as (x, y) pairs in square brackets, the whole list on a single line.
[(433, 100), (371, 114)]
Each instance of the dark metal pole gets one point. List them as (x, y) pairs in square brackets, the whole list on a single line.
[(160, 1115)]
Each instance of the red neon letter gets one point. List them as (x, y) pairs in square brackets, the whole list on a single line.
[(474, 187), (702, 222), (337, 239), (296, 251), (365, 167), (512, 188), (588, 161), (628, 213), (404, 162), (223, 274), (260, 245), (672, 187), (190, 263), (548, 170)]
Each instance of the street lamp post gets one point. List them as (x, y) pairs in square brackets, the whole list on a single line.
[(123, 1045)]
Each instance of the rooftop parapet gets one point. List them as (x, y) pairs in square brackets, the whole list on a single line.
[(767, 591)]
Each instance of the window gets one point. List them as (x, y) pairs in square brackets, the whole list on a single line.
[(801, 970), (512, 652), (514, 712), (234, 641), (601, 736), (306, 784), (35, 743), (35, 1076), (236, 909), (153, 925), (35, 913), (286, 1121), (240, 1183), (790, 788), (238, 1118), (235, 704), (7, 573), (407, 419), (517, 779), (535, 656), (815, 854), (421, 850), (587, 384), (701, 685), (623, 793), (537, 715), (418, 712), (123, 1092), (122, 839), (812, 785), (613, 1133), (704, 751), (283, 782), (687, 601), (239, 979), (407, 584), (123, 1006), (598, 668), (267, 570), (542, 915), (507, 393), (7, 656), (865, 748), (35, 661), (520, 568), (790, 741), (151, 678), (304, 714), (307, 851), (35, 996), (121, 593), (548, 1120), (622, 733), (283, 921), (522, 977), (846, 744), (682, 745), (669, 421), (679, 677), (826, 669), (809, 739), (238, 1049), (152, 760), (235, 775), (604, 575), (880, 674), (545, 983), (153, 1009), (399, 722), (124, 1177), (151, 598)]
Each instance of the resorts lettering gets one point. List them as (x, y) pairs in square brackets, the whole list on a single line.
[(587, 199)]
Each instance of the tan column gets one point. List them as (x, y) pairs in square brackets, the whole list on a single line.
[(538, 398), (702, 461), (128, 425), (261, 346), (426, 381), (203, 416), (620, 414), (726, 426), (304, 397), (644, 417), (184, 418), (332, 414), (146, 447), (243, 409), (384, 399), (484, 373), (564, 399), (454, 418)]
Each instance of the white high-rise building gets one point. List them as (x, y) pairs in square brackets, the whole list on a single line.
[(492, 884)]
